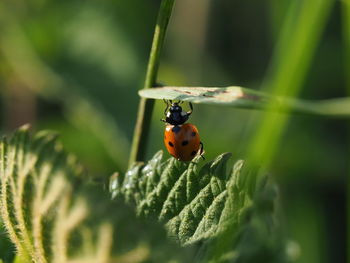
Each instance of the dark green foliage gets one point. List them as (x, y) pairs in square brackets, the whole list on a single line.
[(6, 248), (229, 216)]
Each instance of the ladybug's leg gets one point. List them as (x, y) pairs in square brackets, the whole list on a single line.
[(167, 106), (190, 111), (166, 109), (201, 150)]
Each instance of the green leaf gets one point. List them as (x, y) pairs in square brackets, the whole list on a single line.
[(239, 97), (207, 205), (233, 96), (53, 212)]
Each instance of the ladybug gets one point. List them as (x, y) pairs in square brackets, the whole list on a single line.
[(181, 139)]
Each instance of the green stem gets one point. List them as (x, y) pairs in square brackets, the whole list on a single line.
[(346, 41), (305, 21), (144, 115)]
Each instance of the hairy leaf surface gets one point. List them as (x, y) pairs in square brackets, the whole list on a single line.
[(222, 210), (53, 212)]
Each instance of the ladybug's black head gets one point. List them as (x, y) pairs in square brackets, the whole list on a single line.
[(174, 114), (175, 107)]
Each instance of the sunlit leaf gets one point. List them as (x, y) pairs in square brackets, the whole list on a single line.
[(232, 96), (239, 97), (52, 212)]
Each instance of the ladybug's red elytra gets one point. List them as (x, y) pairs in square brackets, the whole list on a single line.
[(181, 139)]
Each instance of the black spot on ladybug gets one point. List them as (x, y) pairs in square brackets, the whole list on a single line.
[(171, 144), (193, 134), (176, 129), (184, 143), (193, 153)]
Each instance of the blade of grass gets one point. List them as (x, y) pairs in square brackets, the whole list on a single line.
[(144, 115), (277, 11), (295, 49), (346, 41), (299, 36)]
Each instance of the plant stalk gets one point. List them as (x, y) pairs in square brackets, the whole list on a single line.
[(144, 115), (346, 44)]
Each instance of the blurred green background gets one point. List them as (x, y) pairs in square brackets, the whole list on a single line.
[(75, 67)]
